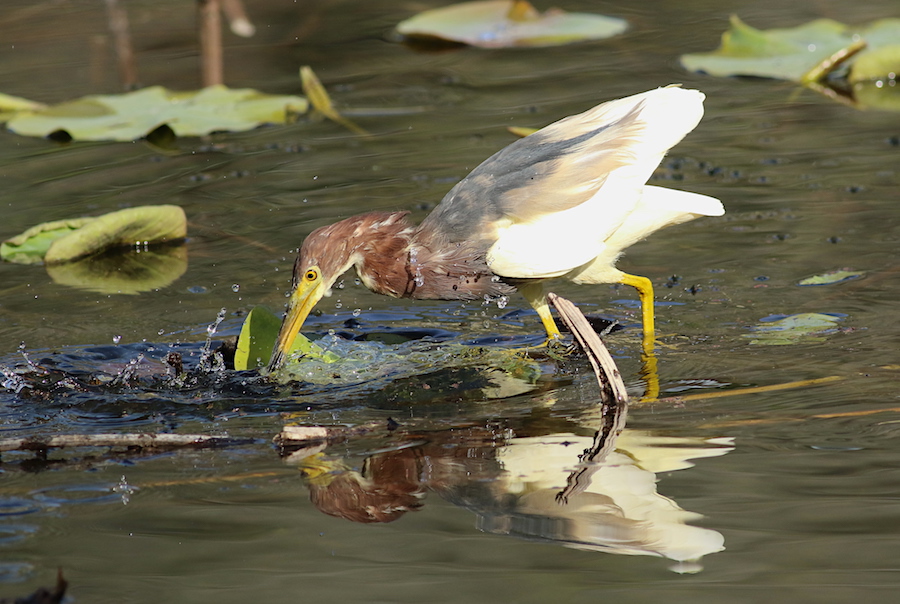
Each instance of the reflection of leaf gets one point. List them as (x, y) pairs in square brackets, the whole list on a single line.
[(133, 115), (794, 53), (877, 96), (808, 327), (832, 277), (258, 335), (129, 272), (508, 23), (64, 241)]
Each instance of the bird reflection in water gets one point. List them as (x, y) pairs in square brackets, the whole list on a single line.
[(529, 485)]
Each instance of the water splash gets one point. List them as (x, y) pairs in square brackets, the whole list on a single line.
[(418, 279), (128, 372), (124, 490), (12, 381), (211, 361), (501, 301)]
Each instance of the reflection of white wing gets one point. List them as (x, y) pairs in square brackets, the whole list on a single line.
[(620, 512)]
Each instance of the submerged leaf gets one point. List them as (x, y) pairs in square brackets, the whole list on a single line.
[(508, 23), (832, 277), (258, 335), (133, 115), (806, 327)]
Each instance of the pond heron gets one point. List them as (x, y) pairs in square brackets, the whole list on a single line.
[(564, 201)]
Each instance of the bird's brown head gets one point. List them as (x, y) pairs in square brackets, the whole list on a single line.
[(326, 254), (323, 257)]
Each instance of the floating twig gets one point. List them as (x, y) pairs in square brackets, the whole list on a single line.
[(612, 388), (143, 441)]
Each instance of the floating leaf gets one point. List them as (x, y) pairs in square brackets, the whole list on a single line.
[(31, 246), (258, 335), (521, 131), (881, 63), (786, 54), (63, 241), (321, 102), (811, 51), (832, 277), (508, 23), (133, 115), (808, 327)]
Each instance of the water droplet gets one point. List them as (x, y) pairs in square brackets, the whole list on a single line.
[(357, 312), (160, 332), (338, 304), (357, 281), (236, 288), (418, 279), (117, 339), (502, 301)]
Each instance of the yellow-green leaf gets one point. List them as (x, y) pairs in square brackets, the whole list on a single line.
[(785, 54), (31, 246), (133, 115), (66, 240), (321, 102), (831, 277), (878, 64), (508, 23), (792, 53), (258, 335), (140, 226)]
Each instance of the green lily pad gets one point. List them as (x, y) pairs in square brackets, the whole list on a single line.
[(793, 329), (258, 335), (133, 115), (508, 23), (67, 240), (31, 246), (831, 277), (808, 52)]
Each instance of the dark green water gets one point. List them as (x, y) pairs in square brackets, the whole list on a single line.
[(800, 485)]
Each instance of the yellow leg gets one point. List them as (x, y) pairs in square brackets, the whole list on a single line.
[(645, 291), (648, 359), (534, 293)]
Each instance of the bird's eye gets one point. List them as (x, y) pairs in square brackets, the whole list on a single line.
[(311, 275)]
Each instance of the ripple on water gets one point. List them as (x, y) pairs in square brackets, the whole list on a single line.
[(80, 493)]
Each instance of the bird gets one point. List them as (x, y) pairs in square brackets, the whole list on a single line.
[(562, 202)]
